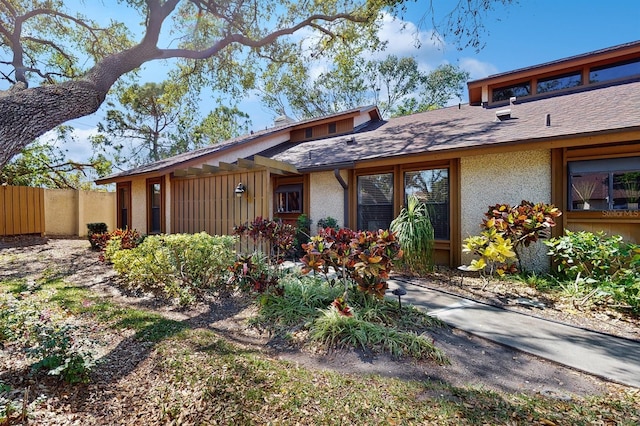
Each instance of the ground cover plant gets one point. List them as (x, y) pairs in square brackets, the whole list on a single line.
[(310, 311), (159, 370), (193, 375)]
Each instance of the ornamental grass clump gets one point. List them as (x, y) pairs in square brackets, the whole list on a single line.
[(414, 232)]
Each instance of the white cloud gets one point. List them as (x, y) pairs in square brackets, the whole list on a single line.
[(77, 147), (477, 69), (404, 38)]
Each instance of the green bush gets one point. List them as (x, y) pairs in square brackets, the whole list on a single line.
[(590, 255), (303, 234), (47, 337), (179, 266), (328, 222), (599, 262)]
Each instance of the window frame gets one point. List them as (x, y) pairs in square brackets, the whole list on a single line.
[(528, 84), (359, 206), (285, 190), (542, 80), (445, 236), (607, 170)]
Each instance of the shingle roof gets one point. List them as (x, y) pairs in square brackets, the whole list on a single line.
[(222, 146), (605, 109)]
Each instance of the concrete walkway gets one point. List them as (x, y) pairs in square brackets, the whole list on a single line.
[(612, 358)]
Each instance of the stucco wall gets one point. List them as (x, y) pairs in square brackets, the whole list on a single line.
[(326, 198), (504, 178), (96, 207), (67, 211), (61, 212)]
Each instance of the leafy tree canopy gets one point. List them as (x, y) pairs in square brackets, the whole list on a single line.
[(60, 64)]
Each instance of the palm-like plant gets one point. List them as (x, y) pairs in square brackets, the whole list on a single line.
[(415, 233)]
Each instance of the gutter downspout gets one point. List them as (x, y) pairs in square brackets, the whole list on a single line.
[(345, 187)]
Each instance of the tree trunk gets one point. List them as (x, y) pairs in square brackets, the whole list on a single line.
[(27, 113)]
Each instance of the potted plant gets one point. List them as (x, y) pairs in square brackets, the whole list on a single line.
[(584, 189)]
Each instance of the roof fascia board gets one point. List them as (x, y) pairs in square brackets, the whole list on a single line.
[(560, 65)]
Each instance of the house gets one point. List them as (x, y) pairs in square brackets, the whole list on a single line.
[(565, 132)]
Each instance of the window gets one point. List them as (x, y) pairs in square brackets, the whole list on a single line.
[(614, 71), (559, 82), (517, 90), (432, 188), (124, 205), (375, 201), (332, 128), (609, 184), (155, 196), (308, 133), (289, 198)]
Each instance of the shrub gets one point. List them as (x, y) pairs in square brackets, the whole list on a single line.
[(303, 234), (273, 237), (495, 251), (328, 222), (596, 261), (95, 228), (504, 230), (523, 224), (415, 234), (364, 258), (127, 239), (252, 273), (589, 255), (178, 266), (47, 338)]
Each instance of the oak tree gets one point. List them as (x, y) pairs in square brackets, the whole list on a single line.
[(44, 48)]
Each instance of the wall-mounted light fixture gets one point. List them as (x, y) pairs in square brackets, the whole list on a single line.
[(240, 189)]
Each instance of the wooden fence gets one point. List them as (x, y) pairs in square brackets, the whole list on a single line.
[(21, 210)]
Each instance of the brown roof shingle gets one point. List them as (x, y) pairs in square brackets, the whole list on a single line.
[(607, 109)]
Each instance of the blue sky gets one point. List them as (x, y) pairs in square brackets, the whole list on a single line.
[(520, 35)]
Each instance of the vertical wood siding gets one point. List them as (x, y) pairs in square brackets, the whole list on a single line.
[(209, 203), (22, 210)]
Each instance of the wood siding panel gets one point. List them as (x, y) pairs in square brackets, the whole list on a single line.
[(209, 202), (22, 210)]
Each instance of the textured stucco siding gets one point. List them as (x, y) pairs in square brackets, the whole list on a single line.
[(326, 198), (61, 212), (504, 178), (68, 211)]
